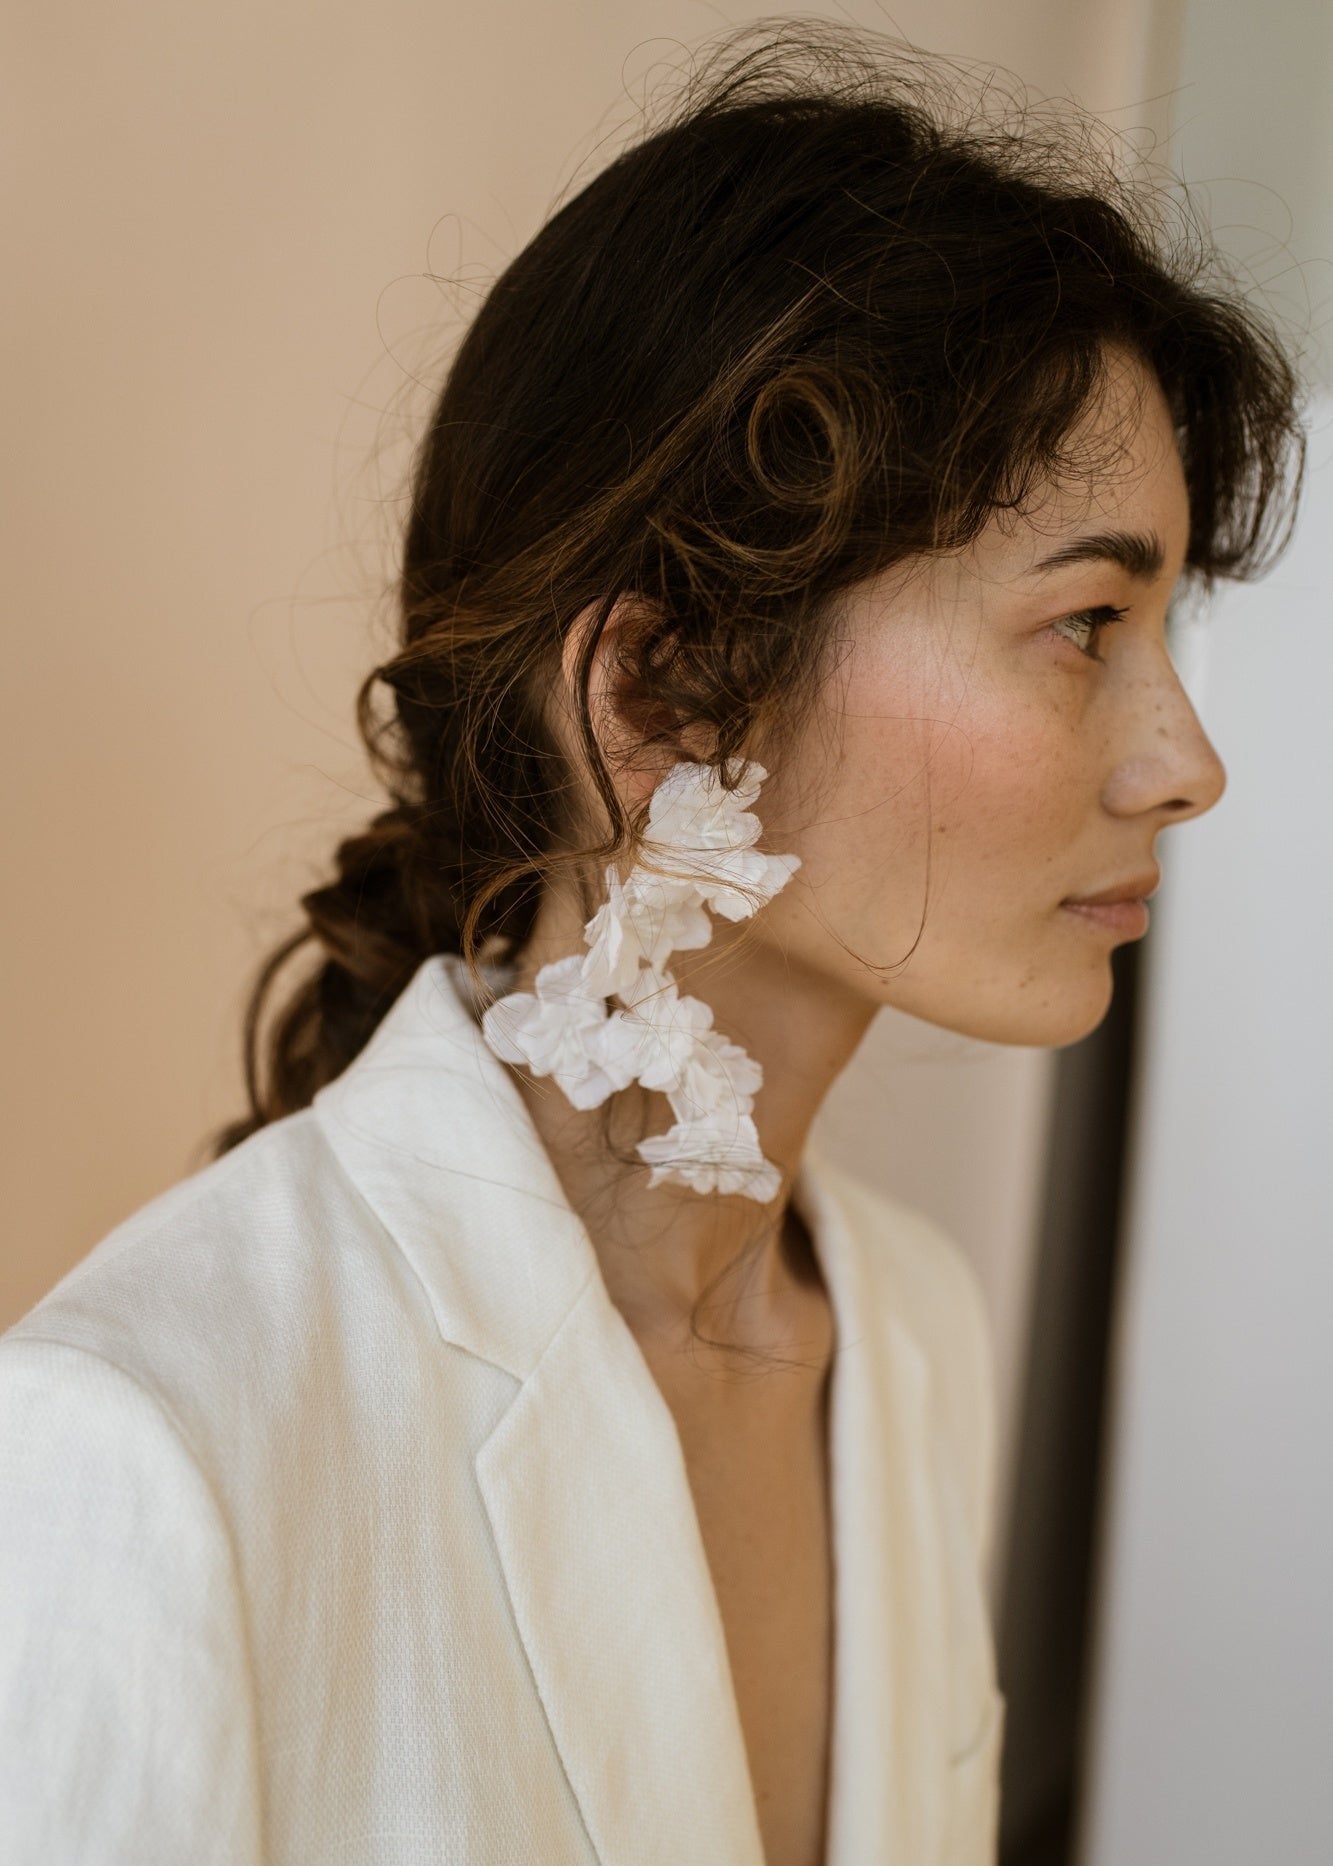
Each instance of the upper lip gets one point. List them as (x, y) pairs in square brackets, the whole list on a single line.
[(1137, 888)]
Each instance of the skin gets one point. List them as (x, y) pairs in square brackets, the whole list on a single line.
[(968, 769)]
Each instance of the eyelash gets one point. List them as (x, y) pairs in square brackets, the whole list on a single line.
[(1098, 618)]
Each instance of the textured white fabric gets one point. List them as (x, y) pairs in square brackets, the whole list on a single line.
[(341, 1519)]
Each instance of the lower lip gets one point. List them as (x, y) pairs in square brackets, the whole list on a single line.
[(1129, 917)]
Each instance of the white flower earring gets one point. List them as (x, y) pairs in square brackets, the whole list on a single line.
[(700, 854)]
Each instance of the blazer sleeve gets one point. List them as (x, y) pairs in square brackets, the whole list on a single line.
[(126, 1712)]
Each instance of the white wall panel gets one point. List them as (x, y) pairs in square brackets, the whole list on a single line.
[(1213, 1725)]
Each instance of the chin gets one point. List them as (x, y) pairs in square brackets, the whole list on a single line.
[(1060, 1025), (1060, 1019)]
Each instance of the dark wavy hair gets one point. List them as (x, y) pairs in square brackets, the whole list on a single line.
[(836, 309)]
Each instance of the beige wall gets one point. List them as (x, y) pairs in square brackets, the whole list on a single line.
[(219, 226)]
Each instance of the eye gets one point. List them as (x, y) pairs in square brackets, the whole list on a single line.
[(1091, 619)]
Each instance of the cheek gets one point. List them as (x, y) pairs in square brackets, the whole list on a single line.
[(1013, 788), (950, 789), (974, 805)]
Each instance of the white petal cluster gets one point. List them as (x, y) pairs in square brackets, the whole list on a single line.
[(698, 853)]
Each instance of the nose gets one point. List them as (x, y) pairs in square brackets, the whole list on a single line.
[(1204, 783), (1175, 767)]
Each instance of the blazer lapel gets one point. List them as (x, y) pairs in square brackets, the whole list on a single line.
[(584, 1480), (594, 1519), (583, 1476), (891, 1658)]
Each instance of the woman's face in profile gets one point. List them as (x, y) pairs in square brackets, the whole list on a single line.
[(973, 765)]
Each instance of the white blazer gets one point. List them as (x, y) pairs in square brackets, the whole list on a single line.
[(342, 1521)]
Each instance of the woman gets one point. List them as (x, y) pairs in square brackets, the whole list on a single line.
[(516, 1445)]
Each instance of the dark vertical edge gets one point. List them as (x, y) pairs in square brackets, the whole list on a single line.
[(1044, 1626)]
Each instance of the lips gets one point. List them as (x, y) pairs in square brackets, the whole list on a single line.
[(1137, 888), (1127, 917)]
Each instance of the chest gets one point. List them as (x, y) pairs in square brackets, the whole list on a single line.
[(761, 1489)]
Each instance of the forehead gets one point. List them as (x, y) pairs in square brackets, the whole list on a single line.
[(1122, 489), (1121, 499)]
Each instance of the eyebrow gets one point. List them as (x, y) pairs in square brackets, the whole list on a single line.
[(1141, 553)]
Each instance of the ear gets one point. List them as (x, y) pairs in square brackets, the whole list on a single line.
[(623, 714)]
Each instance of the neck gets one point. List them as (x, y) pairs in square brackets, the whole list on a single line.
[(663, 1248)]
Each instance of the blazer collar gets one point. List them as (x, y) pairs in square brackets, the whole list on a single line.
[(585, 1483)]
